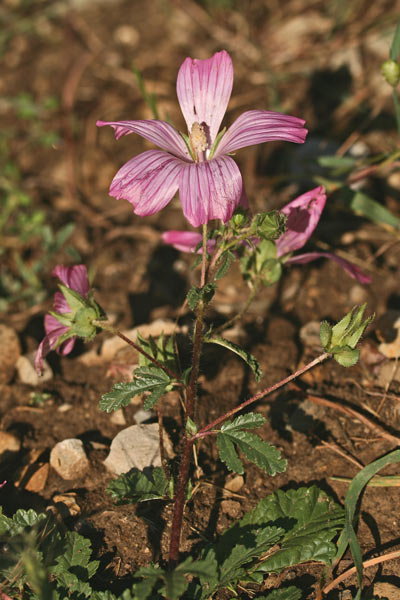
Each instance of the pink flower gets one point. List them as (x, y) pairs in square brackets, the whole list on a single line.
[(199, 166), (76, 279), (303, 215)]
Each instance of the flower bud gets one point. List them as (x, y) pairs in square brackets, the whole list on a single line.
[(391, 72), (270, 225)]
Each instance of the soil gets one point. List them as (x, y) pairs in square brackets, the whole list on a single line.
[(82, 53)]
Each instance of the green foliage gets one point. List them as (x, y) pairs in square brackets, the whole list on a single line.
[(364, 205), (139, 486), (41, 561), (233, 434), (289, 593), (348, 536), (146, 379), (341, 339), (260, 263), (224, 264), (162, 349), (249, 359), (205, 294)]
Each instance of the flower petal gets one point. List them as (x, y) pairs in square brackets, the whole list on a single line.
[(204, 88), (348, 266), (54, 330), (257, 126), (160, 133), (148, 181), (210, 190), (186, 241), (74, 277), (303, 214)]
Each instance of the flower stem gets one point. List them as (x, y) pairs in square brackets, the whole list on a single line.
[(108, 327), (261, 394), (191, 396)]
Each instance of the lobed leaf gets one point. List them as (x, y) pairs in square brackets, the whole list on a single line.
[(139, 486)]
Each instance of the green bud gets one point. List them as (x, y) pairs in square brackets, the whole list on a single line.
[(391, 72), (191, 427), (82, 324), (270, 225), (240, 218)]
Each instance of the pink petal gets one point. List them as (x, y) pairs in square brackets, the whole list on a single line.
[(351, 269), (74, 277), (54, 330), (204, 88), (303, 214), (160, 133), (210, 190), (257, 126), (148, 181), (60, 305), (186, 241)]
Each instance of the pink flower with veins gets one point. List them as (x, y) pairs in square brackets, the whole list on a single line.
[(303, 215), (198, 165), (76, 279)]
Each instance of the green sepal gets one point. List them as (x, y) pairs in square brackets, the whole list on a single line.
[(269, 226), (325, 334), (73, 298), (187, 142)]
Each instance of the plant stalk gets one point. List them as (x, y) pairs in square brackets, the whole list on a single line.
[(202, 432), (191, 396)]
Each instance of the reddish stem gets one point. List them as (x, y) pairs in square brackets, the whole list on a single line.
[(261, 394)]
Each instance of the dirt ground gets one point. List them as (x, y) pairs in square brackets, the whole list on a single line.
[(317, 60)]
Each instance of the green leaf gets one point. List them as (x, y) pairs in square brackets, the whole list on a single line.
[(365, 206), (348, 535), (251, 361), (146, 379), (289, 593), (310, 520), (196, 294), (395, 47), (162, 349), (347, 357), (255, 449), (139, 486), (224, 263)]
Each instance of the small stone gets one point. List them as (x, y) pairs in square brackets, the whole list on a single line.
[(67, 505), (136, 447), (234, 484), (142, 415), (9, 446), (10, 351), (390, 371), (306, 416), (127, 35), (65, 407), (309, 334), (357, 294), (26, 370), (38, 479), (69, 459), (118, 417)]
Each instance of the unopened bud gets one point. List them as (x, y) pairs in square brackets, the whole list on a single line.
[(391, 72)]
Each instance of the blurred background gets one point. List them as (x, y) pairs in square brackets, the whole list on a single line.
[(65, 64)]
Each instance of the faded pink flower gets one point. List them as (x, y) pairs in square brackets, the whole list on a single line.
[(76, 279), (199, 166), (303, 215)]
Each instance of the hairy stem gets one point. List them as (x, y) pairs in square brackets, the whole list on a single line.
[(108, 327), (191, 396), (202, 432)]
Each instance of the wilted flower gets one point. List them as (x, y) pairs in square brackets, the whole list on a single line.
[(74, 311), (303, 215), (199, 165)]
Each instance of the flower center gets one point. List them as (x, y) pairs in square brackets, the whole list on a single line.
[(198, 139)]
